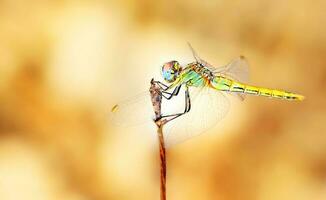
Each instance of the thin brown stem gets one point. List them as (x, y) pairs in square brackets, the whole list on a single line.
[(163, 160)]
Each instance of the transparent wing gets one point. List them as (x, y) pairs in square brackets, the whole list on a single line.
[(237, 69), (208, 107), (133, 111), (199, 60)]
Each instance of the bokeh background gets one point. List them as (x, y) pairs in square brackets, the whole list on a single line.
[(63, 64)]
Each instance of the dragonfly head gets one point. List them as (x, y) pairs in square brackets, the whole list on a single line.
[(171, 70)]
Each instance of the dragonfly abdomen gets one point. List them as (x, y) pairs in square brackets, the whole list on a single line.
[(273, 93), (229, 85), (280, 94)]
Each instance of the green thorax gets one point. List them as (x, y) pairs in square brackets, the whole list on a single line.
[(196, 75)]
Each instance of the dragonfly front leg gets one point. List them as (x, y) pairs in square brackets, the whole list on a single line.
[(162, 85), (187, 107), (170, 95), (165, 87)]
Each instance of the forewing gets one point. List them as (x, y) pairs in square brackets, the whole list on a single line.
[(133, 111), (199, 60), (208, 107), (237, 69)]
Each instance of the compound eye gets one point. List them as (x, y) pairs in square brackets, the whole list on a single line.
[(167, 75), (168, 71)]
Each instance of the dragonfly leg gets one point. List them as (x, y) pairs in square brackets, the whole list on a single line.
[(174, 93), (165, 87), (162, 85), (187, 107)]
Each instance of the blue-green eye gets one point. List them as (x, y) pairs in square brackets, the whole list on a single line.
[(168, 75), (170, 71)]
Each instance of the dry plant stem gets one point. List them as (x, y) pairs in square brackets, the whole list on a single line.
[(162, 159), (156, 97)]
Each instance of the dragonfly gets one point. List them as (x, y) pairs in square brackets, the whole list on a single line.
[(205, 89)]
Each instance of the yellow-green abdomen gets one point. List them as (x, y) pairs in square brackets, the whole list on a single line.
[(229, 85)]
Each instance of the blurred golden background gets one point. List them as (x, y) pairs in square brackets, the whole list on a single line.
[(63, 64)]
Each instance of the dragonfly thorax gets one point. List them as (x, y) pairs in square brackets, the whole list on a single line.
[(203, 71), (171, 70)]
